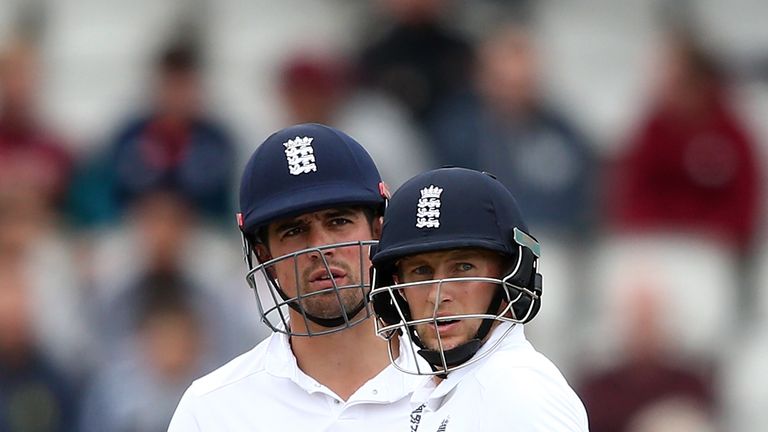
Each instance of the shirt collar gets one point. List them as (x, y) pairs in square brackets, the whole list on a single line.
[(387, 386), (430, 395)]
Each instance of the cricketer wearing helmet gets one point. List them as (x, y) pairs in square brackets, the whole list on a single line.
[(311, 202), (455, 274)]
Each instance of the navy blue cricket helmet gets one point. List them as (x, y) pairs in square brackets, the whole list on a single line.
[(454, 208), (297, 170), (303, 168)]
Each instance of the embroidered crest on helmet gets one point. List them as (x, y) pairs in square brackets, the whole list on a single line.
[(428, 212), (300, 155)]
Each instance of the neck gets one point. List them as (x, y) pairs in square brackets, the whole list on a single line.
[(350, 357), (172, 120)]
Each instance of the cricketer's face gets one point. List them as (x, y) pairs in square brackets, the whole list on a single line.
[(312, 276), (446, 298)]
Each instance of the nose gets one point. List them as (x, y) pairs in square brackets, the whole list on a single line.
[(319, 237), (439, 292)]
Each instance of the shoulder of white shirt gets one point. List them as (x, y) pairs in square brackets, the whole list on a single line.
[(520, 360), (519, 378), (522, 367)]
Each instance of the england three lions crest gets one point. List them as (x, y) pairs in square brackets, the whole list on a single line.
[(428, 211), (300, 155)]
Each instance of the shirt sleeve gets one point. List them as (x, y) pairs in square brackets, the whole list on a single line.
[(184, 418)]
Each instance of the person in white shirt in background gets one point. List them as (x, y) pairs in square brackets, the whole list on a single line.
[(455, 276), (311, 201)]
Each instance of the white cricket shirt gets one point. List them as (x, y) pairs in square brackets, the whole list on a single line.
[(264, 390), (515, 388)]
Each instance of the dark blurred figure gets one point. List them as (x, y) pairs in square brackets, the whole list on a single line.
[(504, 126), (313, 87), (620, 398), (163, 244), (34, 395), (418, 60), (175, 145), (33, 161), (691, 165), (167, 174), (29, 234), (139, 391), (318, 88)]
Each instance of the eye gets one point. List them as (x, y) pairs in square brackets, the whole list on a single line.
[(340, 221), (293, 232), (465, 267), (422, 271), (416, 272)]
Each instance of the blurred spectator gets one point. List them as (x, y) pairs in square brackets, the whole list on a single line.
[(674, 415), (319, 89), (694, 274), (163, 246), (34, 395), (691, 166), (139, 391), (418, 60), (33, 161), (313, 86), (505, 127), (164, 172), (35, 173), (30, 234), (175, 145), (618, 399)]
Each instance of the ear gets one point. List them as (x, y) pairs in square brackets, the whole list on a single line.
[(263, 255), (262, 252), (400, 291), (376, 227)]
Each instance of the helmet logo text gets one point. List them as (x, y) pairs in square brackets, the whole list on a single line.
[(428, 212), (300, 155)]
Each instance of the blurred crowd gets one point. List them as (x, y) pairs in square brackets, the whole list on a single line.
[(124, 126)]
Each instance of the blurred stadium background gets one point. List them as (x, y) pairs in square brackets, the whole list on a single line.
[(633, 132)]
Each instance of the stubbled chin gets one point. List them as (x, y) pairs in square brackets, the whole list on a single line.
[(449, 342), (447, 345)]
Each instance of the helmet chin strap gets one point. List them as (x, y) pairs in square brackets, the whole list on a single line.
[(462, 353)]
